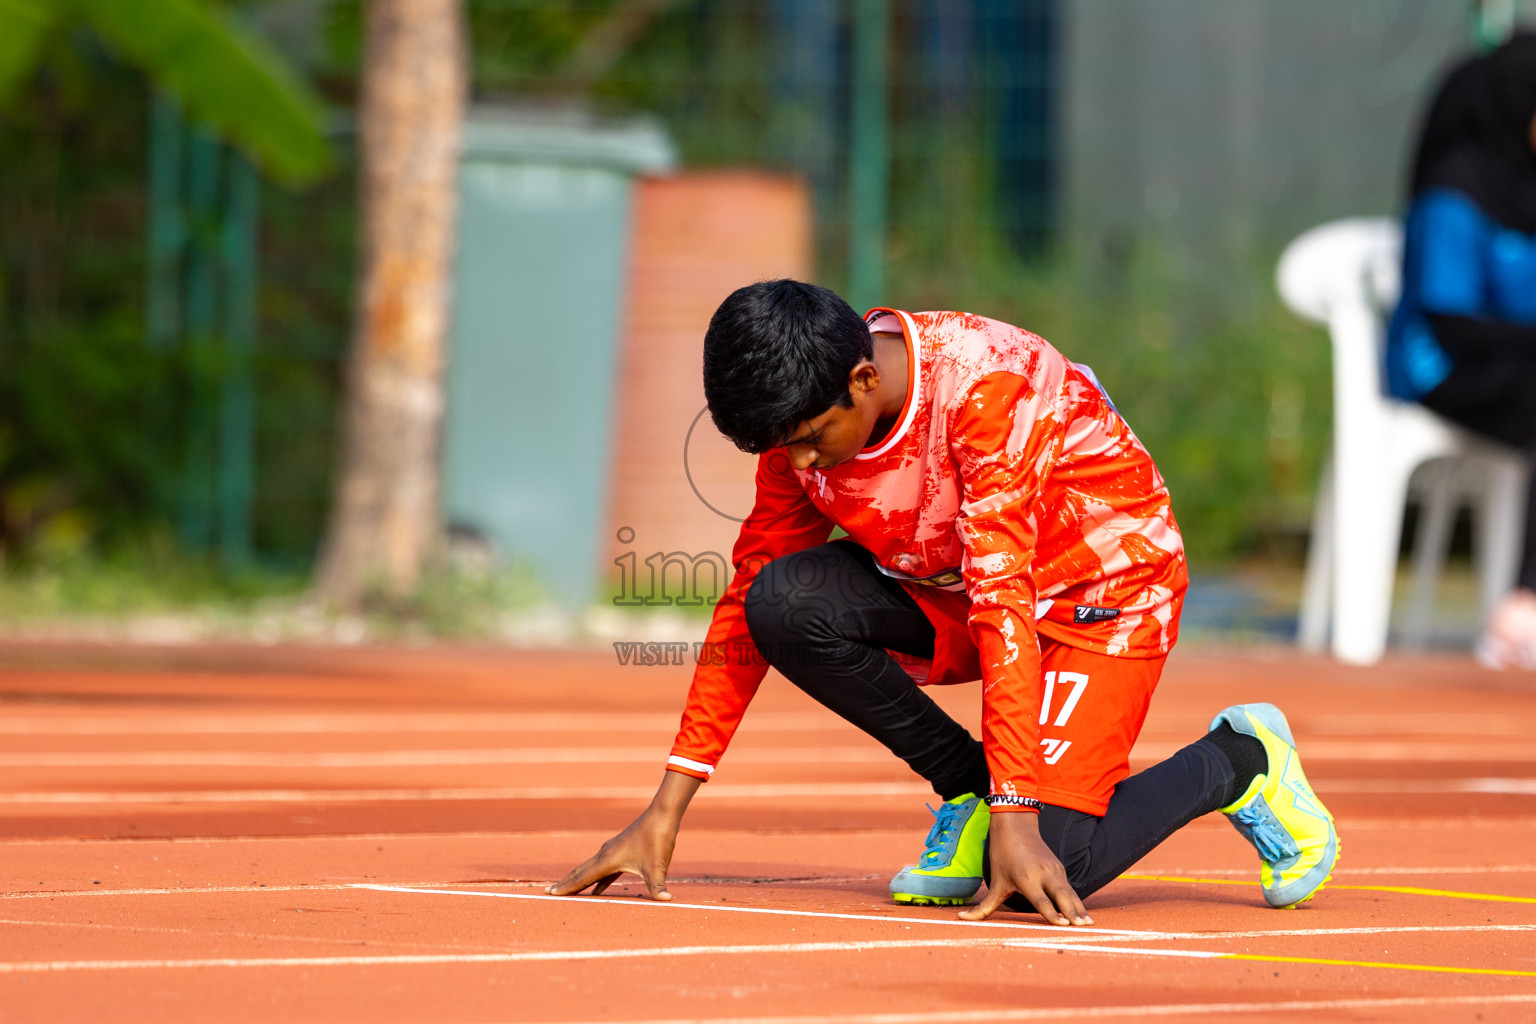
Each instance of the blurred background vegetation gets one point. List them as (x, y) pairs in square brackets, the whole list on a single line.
[(1117, 176)]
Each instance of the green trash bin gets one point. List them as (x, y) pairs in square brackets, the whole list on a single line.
[(543, 240)]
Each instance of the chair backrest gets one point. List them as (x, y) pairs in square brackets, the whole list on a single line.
[(1356, 260), (1346, 274)]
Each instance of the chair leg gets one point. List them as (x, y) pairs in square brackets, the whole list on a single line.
[(1500, 532), (1367, 526), (1370, 478), (1312, 623), (1429, 549)]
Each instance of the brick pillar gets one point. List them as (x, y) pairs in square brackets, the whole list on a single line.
[(696, 238)]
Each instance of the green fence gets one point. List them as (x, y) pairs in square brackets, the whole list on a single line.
[(1114, 174)]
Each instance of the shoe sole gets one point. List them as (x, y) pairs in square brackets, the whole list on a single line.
[(1338, 854), (915, 900)]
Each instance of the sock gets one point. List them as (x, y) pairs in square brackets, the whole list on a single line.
[(974, 779), (976, 787), (1246, 753)]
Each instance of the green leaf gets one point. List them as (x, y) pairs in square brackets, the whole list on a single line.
[(223, 76), (23, 23)]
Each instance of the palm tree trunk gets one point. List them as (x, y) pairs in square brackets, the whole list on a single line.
[(384, 518)]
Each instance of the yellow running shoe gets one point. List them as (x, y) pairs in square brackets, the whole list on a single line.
[(949, 871), (1279, 813)]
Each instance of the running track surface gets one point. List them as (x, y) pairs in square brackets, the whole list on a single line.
[(319, 835)]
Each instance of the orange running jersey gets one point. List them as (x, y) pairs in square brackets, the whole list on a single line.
[(1010, 498)]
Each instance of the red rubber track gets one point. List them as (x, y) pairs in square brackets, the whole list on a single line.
[(242, 834)]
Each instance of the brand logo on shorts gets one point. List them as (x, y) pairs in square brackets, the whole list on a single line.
[(1054, 749), (1087, 613)]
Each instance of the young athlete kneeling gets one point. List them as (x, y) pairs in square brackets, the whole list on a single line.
[(1003, 524)]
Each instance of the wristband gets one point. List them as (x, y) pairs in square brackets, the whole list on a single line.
[(1015, 801)]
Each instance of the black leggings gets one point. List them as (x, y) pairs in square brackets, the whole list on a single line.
[(1492, 391), (825, 618)]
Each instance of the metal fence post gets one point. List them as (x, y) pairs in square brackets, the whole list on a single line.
[(237, 428), (869, 156), (201, 298), (167, 227)]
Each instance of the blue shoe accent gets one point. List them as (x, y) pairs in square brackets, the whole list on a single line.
[(944, 837), (1260, 827)]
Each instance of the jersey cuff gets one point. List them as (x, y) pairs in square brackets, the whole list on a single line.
[(684, 766)]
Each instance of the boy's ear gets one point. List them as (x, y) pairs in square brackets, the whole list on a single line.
[(864, 377)]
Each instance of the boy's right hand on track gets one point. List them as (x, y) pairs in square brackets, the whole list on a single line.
[(644, 848), (1022, 863)]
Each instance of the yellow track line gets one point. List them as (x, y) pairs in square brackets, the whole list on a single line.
[(1376, 963), (1187, 878), (1410, 890), (1405, 890)]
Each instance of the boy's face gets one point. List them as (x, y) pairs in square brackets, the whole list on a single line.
[(839, 434)]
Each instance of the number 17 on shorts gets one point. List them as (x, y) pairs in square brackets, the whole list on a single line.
[(1078, 681), (1091, 710)]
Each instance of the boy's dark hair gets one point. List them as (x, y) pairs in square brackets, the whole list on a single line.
[(778, 353)]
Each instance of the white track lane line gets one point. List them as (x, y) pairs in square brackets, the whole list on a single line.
[(1315, 933), (1430, 824), (599, 755), (1508, 750), (545, 956), (1246, 872), (194, 724), (1079, 936), (1520, 786), (774, 911), (1282, 1010), (1310, 932), (46, 894), (588, 754), (1094, 934), (204, 935), (369, 837), (174, 722), (1504, 825), (1432, 723), (415, 758), (718, 791), (481, 756)]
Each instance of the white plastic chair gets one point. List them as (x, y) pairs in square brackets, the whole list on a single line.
[(1346, 275)]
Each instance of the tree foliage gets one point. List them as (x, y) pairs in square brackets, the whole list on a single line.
[(223, 75)]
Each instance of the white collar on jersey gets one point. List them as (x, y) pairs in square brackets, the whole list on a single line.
[(915, 362)]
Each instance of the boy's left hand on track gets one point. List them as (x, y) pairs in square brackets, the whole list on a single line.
[(644, 848), (1023, 864), (641, 849)]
